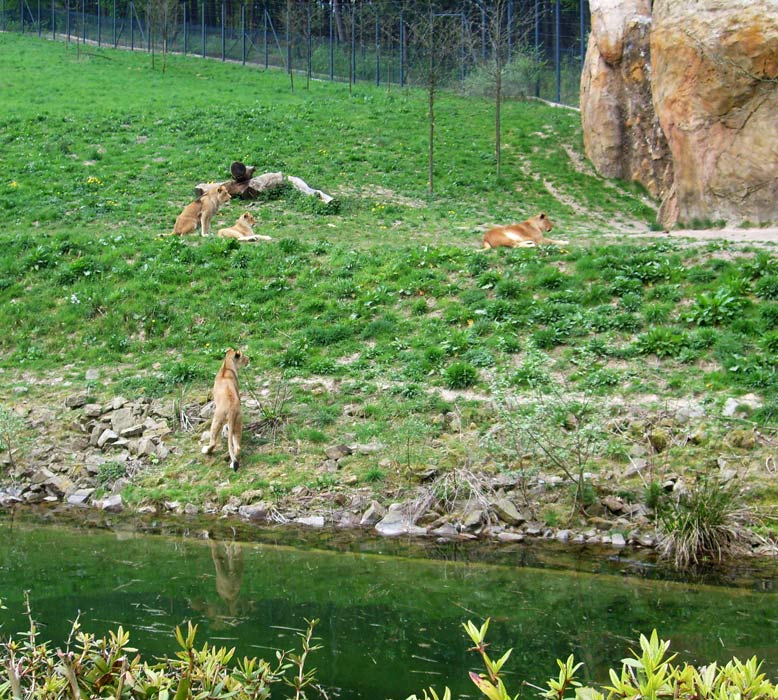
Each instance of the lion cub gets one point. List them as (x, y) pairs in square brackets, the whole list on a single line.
[(201, 211), (524, 235), (242, 230), (226, 399)]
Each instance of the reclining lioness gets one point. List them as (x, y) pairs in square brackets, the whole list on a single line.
[(524, 235), (226, 399)]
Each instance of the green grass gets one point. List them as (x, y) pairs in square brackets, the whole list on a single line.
[(386, 293)]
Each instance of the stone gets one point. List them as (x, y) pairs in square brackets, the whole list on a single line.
[(256, 512), (563, 535), (111, 504), (373, 514), (617, 539), (446, 530), (132, 431), (79, 497), (122, 419), (191, 509), (92, 374), (337, 452), (473, 519), (614, 504), (315, 521), (510, 537), (397, 522), (76, 400), (93, 410), (107, 436), (507, 512)]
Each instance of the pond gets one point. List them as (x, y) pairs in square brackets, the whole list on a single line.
[(390, 611)]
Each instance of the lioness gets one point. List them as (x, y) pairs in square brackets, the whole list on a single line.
[(226, 399), (524, 235), (242, 230), (201, 211)]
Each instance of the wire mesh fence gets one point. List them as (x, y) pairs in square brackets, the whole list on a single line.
[(538, 44)]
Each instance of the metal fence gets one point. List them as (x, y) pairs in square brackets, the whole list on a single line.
[(540, 42)]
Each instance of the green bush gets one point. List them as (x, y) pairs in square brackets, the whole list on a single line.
[(701, 524), (460, 375)]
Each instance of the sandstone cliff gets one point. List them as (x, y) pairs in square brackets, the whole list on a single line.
[(683, 97)]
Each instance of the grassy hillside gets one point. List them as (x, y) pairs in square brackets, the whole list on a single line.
[(381, 300)]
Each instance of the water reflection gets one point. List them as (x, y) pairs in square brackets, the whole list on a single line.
[(390, 616), (227, 557)]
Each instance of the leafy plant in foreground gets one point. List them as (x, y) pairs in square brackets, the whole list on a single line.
[(109, 667), (649, 673)]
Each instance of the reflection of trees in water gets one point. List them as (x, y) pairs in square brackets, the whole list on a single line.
[(227, 560)]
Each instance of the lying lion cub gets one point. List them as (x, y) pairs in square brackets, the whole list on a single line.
[(226, 399), (242, 230), (524, 235), (201, 211)]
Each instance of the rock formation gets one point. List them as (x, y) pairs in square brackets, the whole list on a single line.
[(715, 88), (682, 97), (622, 135)]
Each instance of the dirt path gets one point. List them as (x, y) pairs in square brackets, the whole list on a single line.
[(734, 235)]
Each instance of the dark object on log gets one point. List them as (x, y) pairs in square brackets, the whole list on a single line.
[(249, 187), (241, 172)]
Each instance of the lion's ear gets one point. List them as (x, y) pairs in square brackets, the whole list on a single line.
[(542, 215), (237, 354)]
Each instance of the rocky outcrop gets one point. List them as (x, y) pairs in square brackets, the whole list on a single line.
[(682, 97), (715, 87), (622, 136)]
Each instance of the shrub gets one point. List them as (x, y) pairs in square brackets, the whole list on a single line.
[(715, 309), (110, 667), (460, 375), (700, 524), (661, 341), (767, 287)]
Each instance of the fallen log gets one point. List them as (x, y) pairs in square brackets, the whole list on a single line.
[(244, 185)]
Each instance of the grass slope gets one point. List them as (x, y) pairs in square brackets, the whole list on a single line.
[(383, 300)]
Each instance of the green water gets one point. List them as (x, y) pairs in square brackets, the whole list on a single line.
[(390, 612)]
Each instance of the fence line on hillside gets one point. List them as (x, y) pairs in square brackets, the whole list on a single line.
[(387, 42)]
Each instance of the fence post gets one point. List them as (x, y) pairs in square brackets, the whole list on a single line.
[(40, 28), (377, 50), (510, 29), (402, 49), (186, 30), (310, 44), (53, 21), (243, 33), (582, 30), (113, 33), (353, 70), (132, 25), (224, 29), (2, 14), (332, 44), (99, 23), (557, 52), (21, 13), (264, 17), (67, 18), (202, 25), (537, 44)]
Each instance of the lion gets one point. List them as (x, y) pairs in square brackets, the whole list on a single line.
[(242, 229), (226, 399), (524, 235), (201, 211)]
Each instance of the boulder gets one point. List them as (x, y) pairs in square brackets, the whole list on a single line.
[(398, 522), (714, 77), (507, 512)]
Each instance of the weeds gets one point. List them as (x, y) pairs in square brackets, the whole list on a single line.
[(702, 524)]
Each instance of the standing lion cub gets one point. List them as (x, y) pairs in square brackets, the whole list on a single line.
[(524, 235), (201, 211), (242, 229), (226, 399)]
